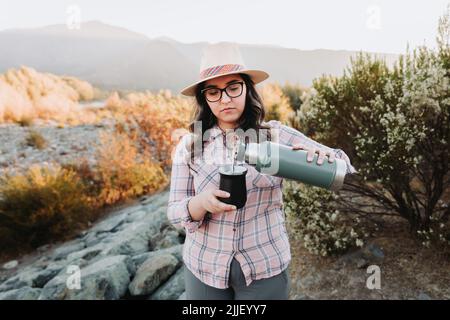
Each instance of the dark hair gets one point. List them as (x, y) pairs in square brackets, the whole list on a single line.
[(251, 118)]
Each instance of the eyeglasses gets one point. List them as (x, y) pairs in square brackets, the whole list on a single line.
[(233, 90)]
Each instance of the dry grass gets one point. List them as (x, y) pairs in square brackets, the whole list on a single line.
[(36, 140)]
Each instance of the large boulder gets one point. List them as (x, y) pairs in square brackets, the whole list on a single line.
[(176, 251), (35, 277), (172, 288), (153, 273), (105, 279)]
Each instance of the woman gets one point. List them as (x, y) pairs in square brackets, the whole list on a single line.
[(228, 253)]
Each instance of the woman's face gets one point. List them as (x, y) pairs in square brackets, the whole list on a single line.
[(227, 110)]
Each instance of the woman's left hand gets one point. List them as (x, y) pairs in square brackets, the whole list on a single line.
[(312, 151)]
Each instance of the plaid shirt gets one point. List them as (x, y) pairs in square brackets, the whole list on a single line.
[(255, 235)]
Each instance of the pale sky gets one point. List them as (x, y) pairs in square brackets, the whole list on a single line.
[(369, 25)]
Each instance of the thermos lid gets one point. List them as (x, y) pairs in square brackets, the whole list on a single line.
[(339, 177)]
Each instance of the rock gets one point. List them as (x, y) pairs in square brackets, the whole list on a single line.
[(182, 296), (361, 263), (110, 224), (136, 216), (42, 277), (24, 293), (35, 278), (130, 211), (92, 238), (423, 296), (373, 253), (87, 254), (155, 201), (169, 237), (361, 258), (171, 289), (63, 251), (131, 241), (152, 273), (105, 279), (11, 264), (176, 251)]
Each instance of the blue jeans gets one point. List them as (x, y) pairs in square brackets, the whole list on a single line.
[(274, 288)]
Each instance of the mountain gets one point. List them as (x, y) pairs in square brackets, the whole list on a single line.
[(112, 57)]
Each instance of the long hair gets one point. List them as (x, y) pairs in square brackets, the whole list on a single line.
[(251, 118)]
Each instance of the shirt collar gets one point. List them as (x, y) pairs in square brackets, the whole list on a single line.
[(215, 131)]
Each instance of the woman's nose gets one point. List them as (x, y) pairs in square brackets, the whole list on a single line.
[(225, 98)]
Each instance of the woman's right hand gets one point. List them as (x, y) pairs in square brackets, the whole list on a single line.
[(211, 204)]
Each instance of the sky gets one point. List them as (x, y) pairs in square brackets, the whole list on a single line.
[(369, 25)]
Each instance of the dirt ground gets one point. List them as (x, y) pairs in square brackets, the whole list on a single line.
[(408, 271)]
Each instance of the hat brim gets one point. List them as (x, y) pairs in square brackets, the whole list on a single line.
[(256, 75)]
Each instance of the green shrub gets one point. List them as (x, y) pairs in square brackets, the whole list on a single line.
[(394, 125)]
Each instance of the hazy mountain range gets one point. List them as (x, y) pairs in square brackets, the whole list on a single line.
[(111, 57)]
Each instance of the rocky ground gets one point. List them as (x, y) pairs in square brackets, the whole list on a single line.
[(135, 253), (132, 254), (64, 144), (408, 271)]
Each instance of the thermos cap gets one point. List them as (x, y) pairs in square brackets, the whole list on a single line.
[(339, 177)]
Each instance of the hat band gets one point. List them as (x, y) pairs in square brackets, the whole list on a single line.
[(226, 68)]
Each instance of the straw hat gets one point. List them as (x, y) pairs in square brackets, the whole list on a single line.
[(221, 59)]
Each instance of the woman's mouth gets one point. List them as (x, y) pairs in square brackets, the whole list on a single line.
[(228, 109)]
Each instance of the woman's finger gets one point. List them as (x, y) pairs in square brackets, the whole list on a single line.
[(331, 157), (321, 157), (221, 193), (310, 155)]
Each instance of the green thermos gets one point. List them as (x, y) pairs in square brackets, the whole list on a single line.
[(282, 161)]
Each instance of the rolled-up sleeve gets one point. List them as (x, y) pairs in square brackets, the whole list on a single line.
[(290, 136), (181, 189)]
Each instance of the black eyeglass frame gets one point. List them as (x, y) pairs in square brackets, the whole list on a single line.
[(224, 90)]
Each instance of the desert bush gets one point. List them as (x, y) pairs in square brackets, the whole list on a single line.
[(276, 103), (122, 173), (26, 93), (36, 140), (41, 205), (150, 120)]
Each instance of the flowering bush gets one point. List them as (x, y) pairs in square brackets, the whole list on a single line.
[(394, 125), (313, 219)]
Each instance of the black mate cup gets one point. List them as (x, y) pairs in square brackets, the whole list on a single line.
[(232, 180)]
